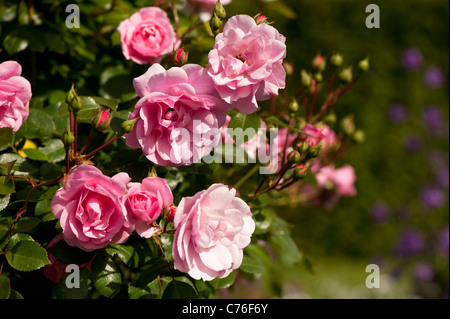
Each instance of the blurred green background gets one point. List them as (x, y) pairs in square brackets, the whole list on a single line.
[(399, 219)]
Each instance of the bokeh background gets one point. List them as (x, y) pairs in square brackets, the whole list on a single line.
[(400, 218)]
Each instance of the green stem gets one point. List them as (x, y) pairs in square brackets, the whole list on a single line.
[(246, 176)]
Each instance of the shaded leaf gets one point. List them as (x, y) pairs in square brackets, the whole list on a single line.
[(106, 276), (26, 255), (6, 136), (5, 287), (179, 290), (244, 127)]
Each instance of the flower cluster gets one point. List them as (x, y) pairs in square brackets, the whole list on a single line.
[(178, 113)]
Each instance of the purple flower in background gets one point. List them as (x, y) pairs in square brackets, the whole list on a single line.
[(434, 77), (432, 117), (443, 242), (423, 272), (442, 178), (398, 113), (409, 243), (432, 197), (380, 211), (413, 143), (412, 59)]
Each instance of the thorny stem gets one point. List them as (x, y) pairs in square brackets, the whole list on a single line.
[(115, 138), (158, 242)]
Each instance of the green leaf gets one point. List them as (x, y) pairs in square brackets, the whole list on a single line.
[(148, 273), (281, 241), (125, 252), (6, 136), (179, 290), (244, 126), (13, 43), (151, 291), (5, 169), (255, 260), (61, 290), (25, 224), (5, 287), (26, 255), (35, 154), (4, 201), (106, 276), (54, 150), (70, 255), (38, 125), (115, 82), (6, 185), (221, 283), (15, 295), (263, 219)]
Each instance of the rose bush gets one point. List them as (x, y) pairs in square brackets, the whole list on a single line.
[(107, 166)]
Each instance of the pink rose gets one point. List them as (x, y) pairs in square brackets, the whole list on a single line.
[(212, 229), (246, 63), (179, 115), (147, 35), (15, 93), (330, 141), (90, 208), (341, 180), (146, 201), (206, 7), (316, 135)]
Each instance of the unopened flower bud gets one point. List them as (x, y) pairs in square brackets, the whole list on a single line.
[(314, 151), (319, 63), (288, 67), (359, 136), (293, 106), (318, 77), (346, 75), (294, 157), (303, 148), (364, 65), (127, 126), (181, 57), (260, 18), (67, 138), (219, 10), (330, 118), (101, 119), (73, 101), (306, 78), (348, 124), (336, 60), (300, 172), (215, 23), (170, 212)]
